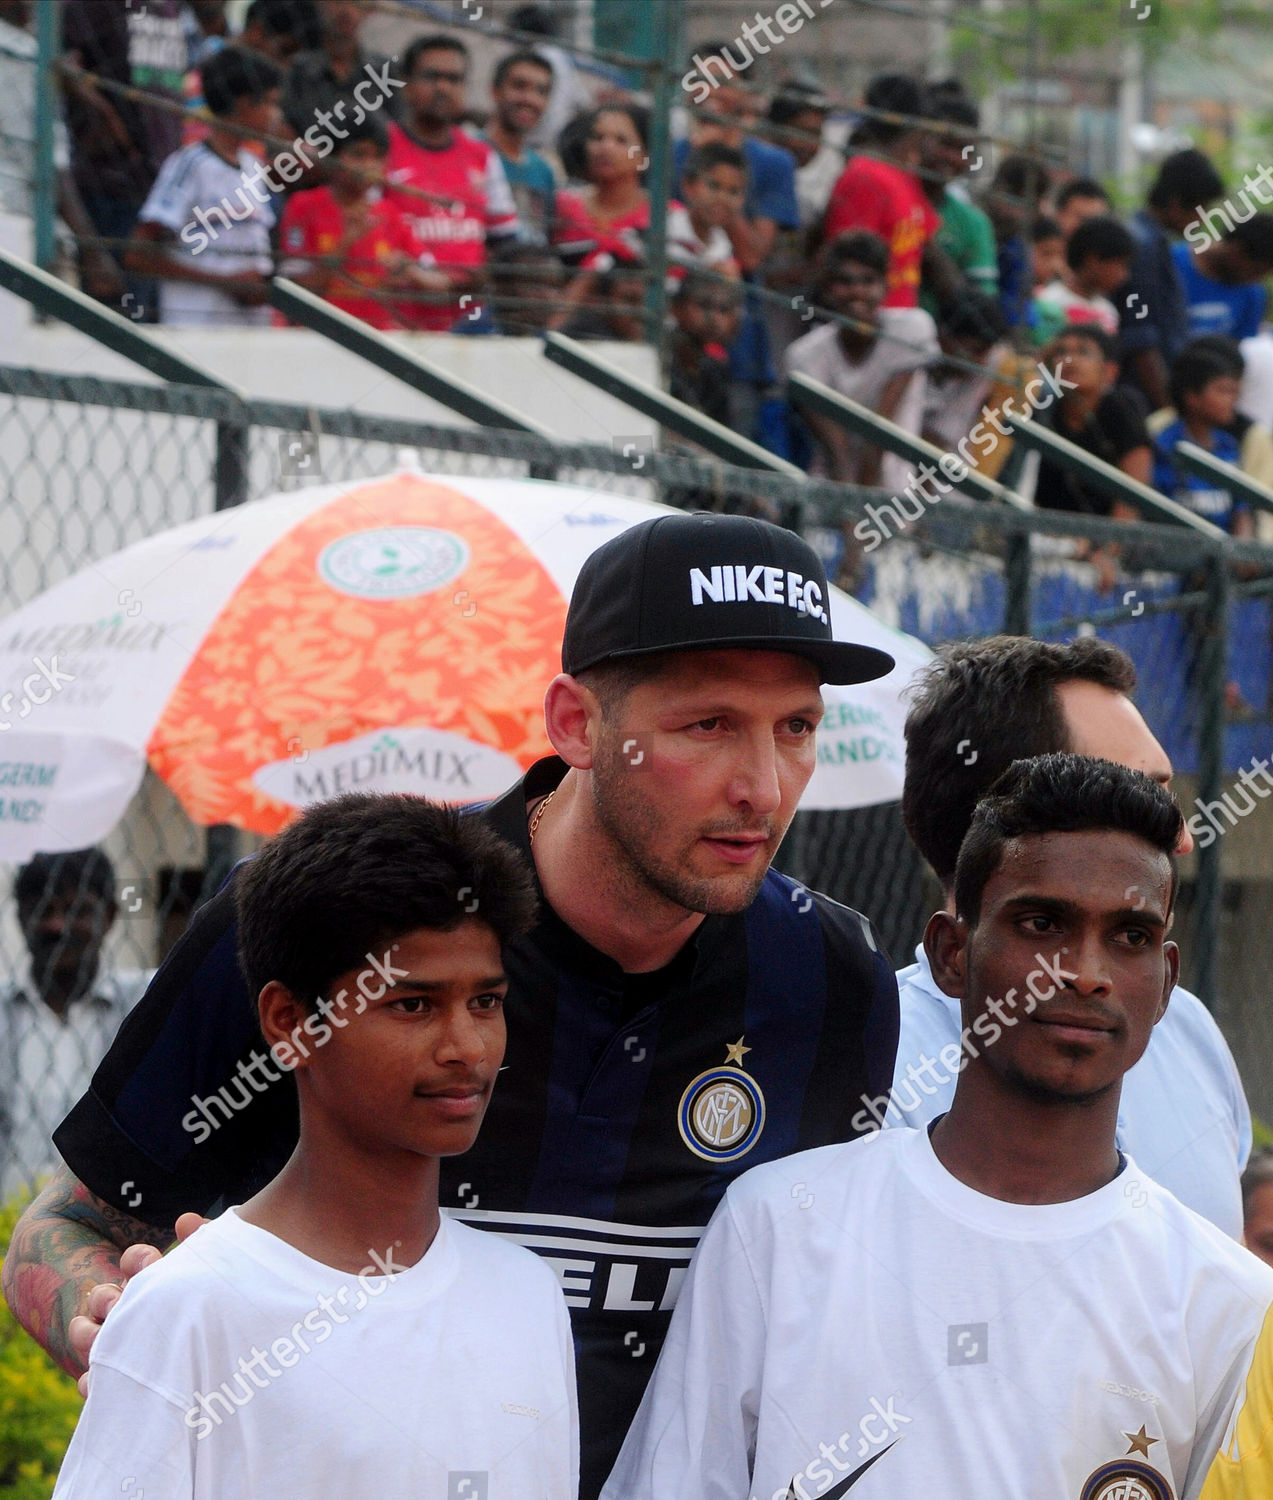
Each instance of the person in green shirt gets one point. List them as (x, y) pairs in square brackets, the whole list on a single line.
[(966, 234)]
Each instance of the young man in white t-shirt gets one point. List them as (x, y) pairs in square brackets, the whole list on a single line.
[(334, 1336), (880, 362), (204, 230), (1003, 1304)]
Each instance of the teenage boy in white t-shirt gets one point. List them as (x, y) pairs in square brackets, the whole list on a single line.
[(334, 1336), (204, 231), (1001, 1305)]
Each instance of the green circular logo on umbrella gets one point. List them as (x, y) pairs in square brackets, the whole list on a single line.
[(393, 562)]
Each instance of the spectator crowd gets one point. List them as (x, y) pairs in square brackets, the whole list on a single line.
[(885, 259)]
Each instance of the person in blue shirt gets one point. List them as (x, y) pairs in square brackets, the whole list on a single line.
[(521, 88), (1222, 281), (1154, 323), (979, 705), (1204, 393)]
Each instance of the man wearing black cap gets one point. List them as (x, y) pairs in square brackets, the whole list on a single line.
[(680, 1013)]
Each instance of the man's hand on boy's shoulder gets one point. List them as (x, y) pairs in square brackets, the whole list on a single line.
[(85, 1326)]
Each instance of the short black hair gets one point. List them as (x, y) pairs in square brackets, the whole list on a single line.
[(947, 101), (1045, 228), (1062, 793), (80, 872), (354, 874), (1193, 369), (795, 99), (1080, 187), (432, 41), (1255, 237), (370, 128), (858, 245), (236, 73), (522, 55), (893, 94), (976, 315), (1188, 178), (995, 697), (1225, 347), (536, 19), (702, 159), (1105, 341), (1021, 176), (1101, 237), (703, 278), (294, 18)]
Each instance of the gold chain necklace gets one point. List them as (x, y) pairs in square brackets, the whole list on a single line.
[(540, 811)]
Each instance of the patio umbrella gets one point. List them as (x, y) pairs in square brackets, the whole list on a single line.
[(390, 634)]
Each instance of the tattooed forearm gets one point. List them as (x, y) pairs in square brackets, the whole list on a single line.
[(66, 1242)]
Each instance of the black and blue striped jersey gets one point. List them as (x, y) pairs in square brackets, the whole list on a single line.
[(627, 1105)]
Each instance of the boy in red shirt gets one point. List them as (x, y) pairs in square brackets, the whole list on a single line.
[(886, 197), (355, 246), (449, 183)]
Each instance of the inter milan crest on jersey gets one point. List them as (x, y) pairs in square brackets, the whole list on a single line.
[(722, 1112), (1125, 1479)]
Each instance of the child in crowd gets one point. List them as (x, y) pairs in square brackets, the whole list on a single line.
[(350, 244), (1047, 259), (335, 1335), (524, 293), (1103, 419), (1098, 258), (971, 331), (1257, 1204), (879, 361), (708, 313), (1204, 398), (615, 304), (713, 185), (1223, 280), (210, 196), (1255, 442)]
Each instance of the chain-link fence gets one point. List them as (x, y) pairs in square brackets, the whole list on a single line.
[(91, 466)]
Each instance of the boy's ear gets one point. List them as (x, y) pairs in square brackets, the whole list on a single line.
[(281, 1014), (946, 945)]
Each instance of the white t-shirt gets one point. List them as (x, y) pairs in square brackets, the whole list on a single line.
[(1182, 1112), (222, 217), (1079, 309), (47, 1062), (687, 248), (458, 1371), (907, 341), (858, 1308)]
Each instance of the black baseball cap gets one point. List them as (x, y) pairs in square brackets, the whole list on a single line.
[(709, 582)]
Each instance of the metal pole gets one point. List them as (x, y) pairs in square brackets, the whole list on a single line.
[(1016, 579), (230, 488), (1211, 671), (47, 32), (667, 18)]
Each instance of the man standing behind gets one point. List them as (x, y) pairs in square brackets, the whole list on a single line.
[(966, 233), (1183, 1114), (522, 84), (58, 1019), (1153, 311), (451, 184), (885, 196), (1006, 1304), (323, 81)]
